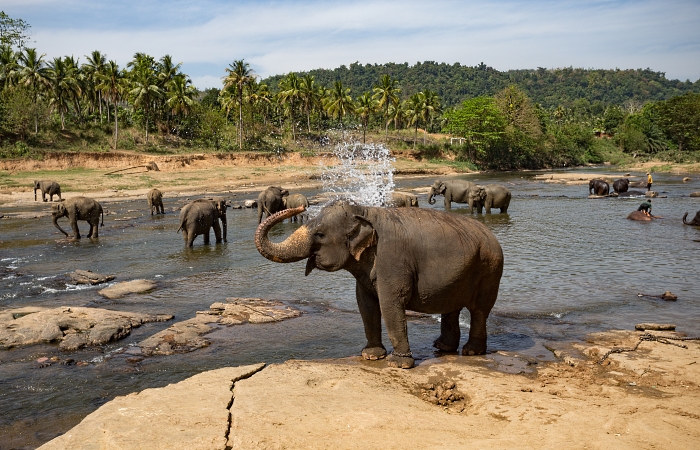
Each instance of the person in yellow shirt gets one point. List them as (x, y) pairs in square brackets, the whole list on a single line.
[(649, 181)]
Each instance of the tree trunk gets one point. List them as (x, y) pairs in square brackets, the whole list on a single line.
[(116, 126), (308, 119), (415, 136), (240, 118), (99, 100)]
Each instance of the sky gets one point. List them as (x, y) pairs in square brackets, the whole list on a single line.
[(276, 37)]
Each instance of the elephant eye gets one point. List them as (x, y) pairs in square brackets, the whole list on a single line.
[(319, 235)]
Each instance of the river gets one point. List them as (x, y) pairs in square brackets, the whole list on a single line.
[(572, 266)]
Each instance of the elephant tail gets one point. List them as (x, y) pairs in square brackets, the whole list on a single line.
[(102, 213)]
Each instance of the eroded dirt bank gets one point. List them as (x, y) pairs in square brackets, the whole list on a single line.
[(648, 398)]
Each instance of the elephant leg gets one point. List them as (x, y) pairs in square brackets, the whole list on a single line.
[(486, 297), (488, 208), (392, 304), (190, 237), (504, 209), (368, 303), (206, 235), (217, 231), (74, 226), (43, 196), (448, 203), (449, 332)]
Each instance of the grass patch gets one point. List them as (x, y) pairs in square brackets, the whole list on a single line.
[(661, 168), (460, 166)]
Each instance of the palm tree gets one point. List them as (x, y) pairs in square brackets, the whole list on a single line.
[(310, 97), (289, 95), (144, 90), (257, 94), (364, 108), (94, 68), (339, 104), (62, 85), (77, 84), (34, 75), (386, 94), (180, 95), (112, 83), (416, 112), (167, 71), (431, 109), (8, 66), (239, 75)]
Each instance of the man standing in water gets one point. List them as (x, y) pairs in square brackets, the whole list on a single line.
[(646, 208), (649, 181)]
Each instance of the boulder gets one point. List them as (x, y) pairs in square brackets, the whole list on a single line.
[(250, 204), (655, 327), (695, 194), (686, 179), (651, 194), (119, 290), (89, 277), (73, 327)]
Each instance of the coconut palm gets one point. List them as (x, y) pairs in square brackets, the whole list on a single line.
[(256, 95), (339, 104), (77, 83), (33, 74), (180, 95), (145, 90), (62, 85), (386, 94), (167, 71), (290, 96), (431, 109), (310, 97), (8, 66), (112, 83), (416, 112), (239, 75), (93, 69), (364, 108)]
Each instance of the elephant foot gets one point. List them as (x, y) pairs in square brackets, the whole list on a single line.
[(401, 362), (374, 353), (474, 347), (442, 346)]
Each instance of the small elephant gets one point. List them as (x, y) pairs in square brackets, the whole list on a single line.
[(403, 200), (489, 196), (155, 201), (454, 191), (402, 259), (598, 187), (198, 216), (695, 221), (78, 208), (270, 201), (47, 187), (621, 185), (295, 201)]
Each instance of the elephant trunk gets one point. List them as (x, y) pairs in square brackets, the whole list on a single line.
[(431, 200), (55, 222), (224, 226), (684, 216), (295, 248)]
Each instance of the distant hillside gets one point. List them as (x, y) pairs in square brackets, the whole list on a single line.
[(549, 87)]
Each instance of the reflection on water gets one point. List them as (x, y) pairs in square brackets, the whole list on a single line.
[(572, 266)]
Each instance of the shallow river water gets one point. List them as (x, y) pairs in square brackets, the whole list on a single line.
[(572, 266)]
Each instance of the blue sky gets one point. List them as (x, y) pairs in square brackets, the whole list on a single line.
[(282, 36)]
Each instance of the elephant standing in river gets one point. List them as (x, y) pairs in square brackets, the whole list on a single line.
[(598, 187), (489, 196), (695, 221), (621, 185), (78, 208), (402, 259), (454, 191), (295, 201), (270, 201), (403, 200), (199, 216), (47, 187), (155, 201)]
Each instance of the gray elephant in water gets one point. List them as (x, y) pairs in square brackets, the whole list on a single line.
[(295, 201), (621, 185), (598, 187), (155, 201), (454, 191), (403, 200), (270, 201), (199, 216), (402, 259), (78, 208), (695, 221), (47, 187), (489, 196)]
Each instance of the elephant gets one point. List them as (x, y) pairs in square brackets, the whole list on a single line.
[(78, 208), (489, 196), (270, 201), (402, 259), (695, 221), (198, 216), (631, 193), (403, 200), (295, 201), (598, 187), (454, 191), (47, 187), (640, 216), (621, 185), (155, 201)]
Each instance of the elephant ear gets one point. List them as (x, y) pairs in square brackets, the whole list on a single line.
[(361, 237), (442, 188), (482, 192)]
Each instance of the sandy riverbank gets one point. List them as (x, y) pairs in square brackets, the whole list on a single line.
[(648, 398)]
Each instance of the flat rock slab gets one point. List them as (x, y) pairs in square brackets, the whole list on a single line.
[(655, 326), (192, 414), (119, 290), (73, 327), (187, 336), (89, 277)]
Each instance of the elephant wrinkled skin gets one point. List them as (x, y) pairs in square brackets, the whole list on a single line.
[(598, 187), (402, 259), (695, 221), (47, 187), (454, 191), (78, 208), (199, 216), (295, 201), (270, 201), (155, 201), (403, 200), (489, 196)]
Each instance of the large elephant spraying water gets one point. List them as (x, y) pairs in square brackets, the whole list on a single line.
[(402, 259)]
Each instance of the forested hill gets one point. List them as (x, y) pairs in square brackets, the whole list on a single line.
[(549, 87)]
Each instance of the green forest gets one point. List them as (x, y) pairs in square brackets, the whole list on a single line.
[(476, 116)]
